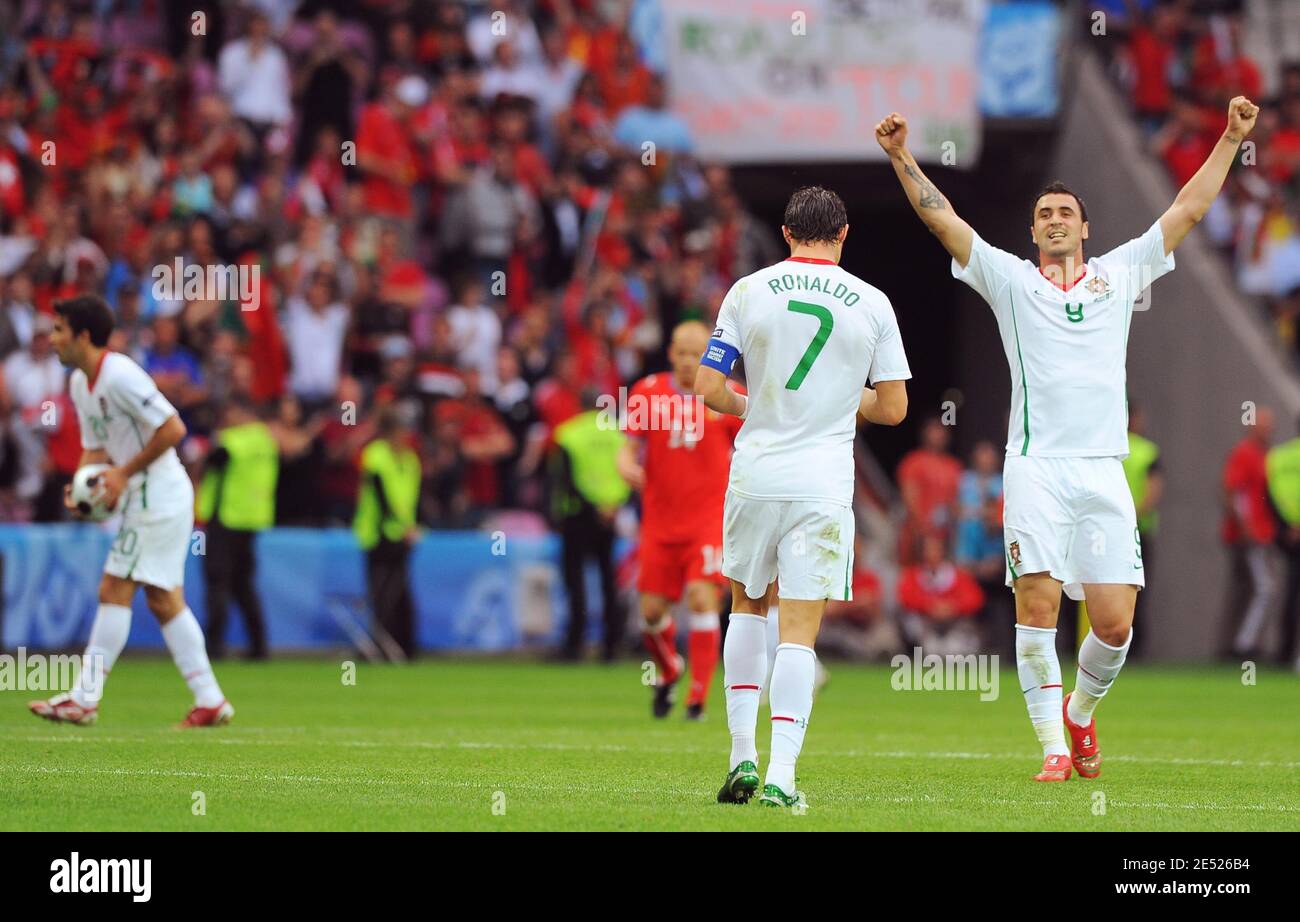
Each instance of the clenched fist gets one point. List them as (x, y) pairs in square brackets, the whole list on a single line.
[(1241, 117), (891, 134)]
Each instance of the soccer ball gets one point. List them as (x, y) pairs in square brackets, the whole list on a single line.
[(86, 487)]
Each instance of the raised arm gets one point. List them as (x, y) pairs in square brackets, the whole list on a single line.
[(1195, 198), (930, 205)]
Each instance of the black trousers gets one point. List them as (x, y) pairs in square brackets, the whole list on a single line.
[(229, 566), (587, 535), (389, 586), (1290, 605)]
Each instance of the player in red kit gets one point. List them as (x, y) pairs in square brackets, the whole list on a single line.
[(679, 457)]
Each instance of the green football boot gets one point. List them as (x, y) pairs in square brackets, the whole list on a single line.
[(773, 796), (741, 784)]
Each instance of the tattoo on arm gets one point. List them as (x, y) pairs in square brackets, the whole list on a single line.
[(930, 197), (1232, 138)]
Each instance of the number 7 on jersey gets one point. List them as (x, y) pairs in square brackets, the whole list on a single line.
[(818, 342)]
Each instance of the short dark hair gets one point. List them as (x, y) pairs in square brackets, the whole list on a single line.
[(815, 214), (90, 313), (1056, 187)]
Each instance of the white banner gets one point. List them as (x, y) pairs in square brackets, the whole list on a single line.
[(799, 80)]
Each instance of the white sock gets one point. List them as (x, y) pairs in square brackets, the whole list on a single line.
[(107, 638), (184, 639), (1099, 664), (791, 697), (744, 663), (773, 640), (1040, 680)]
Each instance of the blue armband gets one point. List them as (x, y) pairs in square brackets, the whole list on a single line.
[(720, 355)]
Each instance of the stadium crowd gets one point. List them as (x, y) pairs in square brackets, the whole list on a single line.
[(1181, 61), (481, 215)]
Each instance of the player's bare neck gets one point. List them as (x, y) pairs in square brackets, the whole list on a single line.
[(1062, 271), (822, 252)]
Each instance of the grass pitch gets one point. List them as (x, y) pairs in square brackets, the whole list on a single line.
[(508, 745)]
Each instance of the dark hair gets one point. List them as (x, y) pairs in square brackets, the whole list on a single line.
[(1059, 188), (90, 313), (815, 214)]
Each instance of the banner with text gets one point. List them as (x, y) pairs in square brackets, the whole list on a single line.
[(807, 80)]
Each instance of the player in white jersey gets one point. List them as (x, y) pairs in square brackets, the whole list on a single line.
[(811, 335), (127, 423), (1069, 520)]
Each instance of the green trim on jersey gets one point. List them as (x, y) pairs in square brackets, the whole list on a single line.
[(1024, 385), (144, 484)]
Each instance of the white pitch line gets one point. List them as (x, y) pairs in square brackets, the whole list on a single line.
[(568, 788), (91, 737)]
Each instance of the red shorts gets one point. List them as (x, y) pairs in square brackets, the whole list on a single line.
[(666, 567)]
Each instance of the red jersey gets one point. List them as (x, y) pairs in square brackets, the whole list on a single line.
[(1249, 516), (923, 591), (934, 478), (687, 459)]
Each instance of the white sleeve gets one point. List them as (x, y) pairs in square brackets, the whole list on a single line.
[(889, 361), (136, 395), (987, 271), (1142, 260), (727, 329)]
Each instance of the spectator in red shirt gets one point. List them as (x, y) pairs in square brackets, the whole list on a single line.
[(385, 149), (559, 397), (1221, 67), (1249, 527), (627, 81), (1152, 52), (482, 437), (929, 478), (939, 601), (1183, 143)]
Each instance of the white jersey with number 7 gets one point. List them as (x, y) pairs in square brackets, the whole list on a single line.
[(811, 335)]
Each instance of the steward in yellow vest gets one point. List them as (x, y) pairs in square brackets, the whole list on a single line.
[(1283, 468), (236, 501), (385, 524), (586, 492)]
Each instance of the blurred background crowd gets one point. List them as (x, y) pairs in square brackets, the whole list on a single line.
[(442, 210), (1181, 62)]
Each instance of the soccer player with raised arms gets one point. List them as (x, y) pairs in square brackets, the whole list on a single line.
[(127, 423), (1069, 520), (810, 335)]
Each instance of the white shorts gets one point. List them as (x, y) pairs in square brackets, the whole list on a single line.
[(153, 541), (807, 544), (1072, 518)]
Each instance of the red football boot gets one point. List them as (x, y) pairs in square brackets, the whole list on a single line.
[(62, 709), (1055, 768), (1085, 750), (208, 717)]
